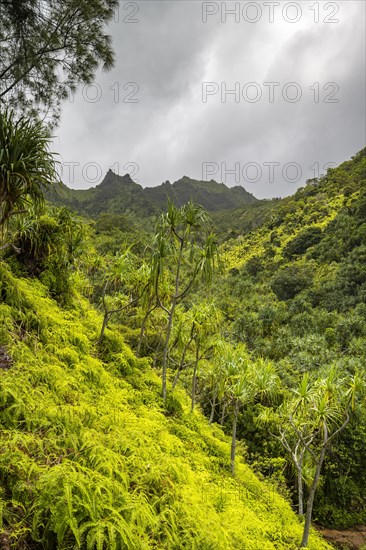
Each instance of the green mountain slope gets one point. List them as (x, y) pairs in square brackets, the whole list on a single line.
[(295, 293), (90, 457), (119, 194)]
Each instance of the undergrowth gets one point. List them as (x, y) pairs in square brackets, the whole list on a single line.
[(90, 458)]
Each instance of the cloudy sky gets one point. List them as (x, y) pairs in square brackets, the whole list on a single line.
[(258, 94)]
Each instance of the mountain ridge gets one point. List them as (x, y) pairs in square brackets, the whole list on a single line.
[(120, 194)]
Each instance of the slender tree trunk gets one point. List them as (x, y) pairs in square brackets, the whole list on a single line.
[(181, 364), (194, 379), (233, 440), (166, 347), (176, 377), (223, 414), (213, 407), (156, 355), (143, 327), (300, 489), (300, 482), (104, 326), (313, 488), (170, 320), (106, 313)]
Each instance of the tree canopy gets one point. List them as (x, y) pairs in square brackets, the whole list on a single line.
[(48, 48)]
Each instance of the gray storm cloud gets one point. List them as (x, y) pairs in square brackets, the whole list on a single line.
[(294, 101)]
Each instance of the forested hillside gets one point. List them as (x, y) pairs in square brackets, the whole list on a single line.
[(162, 390), (298, 297), (91, 456), (182, 366)]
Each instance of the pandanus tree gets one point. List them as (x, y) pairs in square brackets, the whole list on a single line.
[(217, 378), (26, 167), (125, 282), (292, 441), (194, 341), (308, 422), (249, 381), (241, 393), (233, 387), (184, 252), (205, 323), (327, 414), (198, 339), (210, 378)]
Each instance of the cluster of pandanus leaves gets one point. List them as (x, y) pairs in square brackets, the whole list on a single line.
[(308, 420), (27, 166), (182, 254)]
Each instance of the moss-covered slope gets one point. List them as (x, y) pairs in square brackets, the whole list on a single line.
[(90, 458)]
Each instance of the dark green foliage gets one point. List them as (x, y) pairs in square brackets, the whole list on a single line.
[(231, 224), (298, 297), (254, 265), (305, 239), (48, 49), (291, 280), (341, 497)]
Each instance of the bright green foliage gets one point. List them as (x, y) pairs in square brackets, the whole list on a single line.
[(91, 459), (55, 246), (184, 252), (295, 293), (125, 282)]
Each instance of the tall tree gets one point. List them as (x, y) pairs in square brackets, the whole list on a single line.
[(248, 381), (184, 251), (309, 422), (205, 323), (49, 47), (328, 414)]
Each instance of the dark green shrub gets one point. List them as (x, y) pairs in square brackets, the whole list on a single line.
[(305, 239), (291, 280)]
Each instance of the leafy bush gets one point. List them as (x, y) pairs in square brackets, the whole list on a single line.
[(305, 239), (290, 281)]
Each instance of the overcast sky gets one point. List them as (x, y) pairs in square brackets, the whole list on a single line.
[(296, 71)]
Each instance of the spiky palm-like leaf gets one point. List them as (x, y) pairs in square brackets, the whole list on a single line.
[(26, 164)]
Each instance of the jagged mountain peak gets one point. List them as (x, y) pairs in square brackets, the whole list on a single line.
[(113, 178), (119, 194)]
